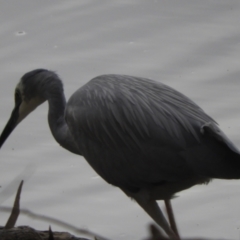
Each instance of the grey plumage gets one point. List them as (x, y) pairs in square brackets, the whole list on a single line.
[(138, 134), (146, 128)]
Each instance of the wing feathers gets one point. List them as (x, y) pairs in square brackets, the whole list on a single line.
[(125, 110)]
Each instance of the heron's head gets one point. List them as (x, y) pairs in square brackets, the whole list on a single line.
[(29, 94)]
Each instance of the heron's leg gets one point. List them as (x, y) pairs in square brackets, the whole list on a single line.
[(153, 210), (171, 217)]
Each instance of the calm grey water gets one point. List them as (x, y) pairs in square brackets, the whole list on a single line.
[(193, 46)]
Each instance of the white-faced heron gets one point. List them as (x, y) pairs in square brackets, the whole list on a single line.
[(139, 135)]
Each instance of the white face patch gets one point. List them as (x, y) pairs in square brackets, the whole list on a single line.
[(27, 107), (20, 86)]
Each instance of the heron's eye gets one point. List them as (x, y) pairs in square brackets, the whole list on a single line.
[(18, 98)]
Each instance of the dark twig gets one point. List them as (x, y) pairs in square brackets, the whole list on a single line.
[(51, 237), (57, 222), (15, 210)]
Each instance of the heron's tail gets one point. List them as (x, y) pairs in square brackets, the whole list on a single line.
[(216, 156)]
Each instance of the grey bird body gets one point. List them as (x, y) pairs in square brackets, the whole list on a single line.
[(137, 134), (144, 133)]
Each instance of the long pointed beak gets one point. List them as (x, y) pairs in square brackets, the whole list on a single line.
[(11, 124)]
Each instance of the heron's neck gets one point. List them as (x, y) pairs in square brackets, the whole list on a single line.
[(57, 123)]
